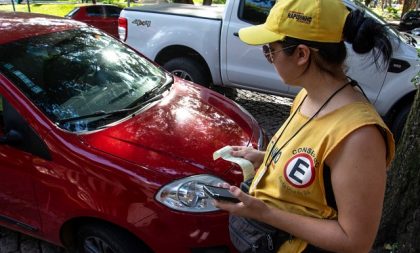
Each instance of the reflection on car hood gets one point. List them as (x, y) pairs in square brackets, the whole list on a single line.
[(186, 127)]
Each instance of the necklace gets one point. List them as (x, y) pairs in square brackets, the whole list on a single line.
[(278, 152)]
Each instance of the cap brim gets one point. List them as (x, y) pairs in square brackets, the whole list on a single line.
[(259, 35)]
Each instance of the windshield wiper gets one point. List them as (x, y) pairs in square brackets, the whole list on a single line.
[(159, 88), (112, 113), (156, 91), (155, 94)]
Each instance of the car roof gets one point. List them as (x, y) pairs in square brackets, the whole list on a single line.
[(20, 25), (99, 5)]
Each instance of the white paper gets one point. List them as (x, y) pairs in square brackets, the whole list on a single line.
[(246, 166)]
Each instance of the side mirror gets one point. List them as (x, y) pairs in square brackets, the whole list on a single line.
[(11, 137)]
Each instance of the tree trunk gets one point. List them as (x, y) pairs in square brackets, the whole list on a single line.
[(406, 6), (400, 225)]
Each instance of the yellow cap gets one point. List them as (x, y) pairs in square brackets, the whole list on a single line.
[(312, 20)]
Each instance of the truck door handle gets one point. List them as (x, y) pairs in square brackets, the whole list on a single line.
[(236, 34)]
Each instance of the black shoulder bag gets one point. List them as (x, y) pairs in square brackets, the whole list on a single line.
[(251, 236)]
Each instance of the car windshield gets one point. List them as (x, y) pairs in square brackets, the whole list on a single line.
[(78, 73)]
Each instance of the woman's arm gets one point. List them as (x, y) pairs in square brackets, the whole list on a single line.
[(358, 174)]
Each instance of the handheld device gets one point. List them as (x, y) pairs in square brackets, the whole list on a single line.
[(219, 193)]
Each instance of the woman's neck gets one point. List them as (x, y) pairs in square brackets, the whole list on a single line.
[(321, 86)]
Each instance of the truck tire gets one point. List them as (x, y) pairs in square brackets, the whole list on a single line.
[(399, 122), (188, 69)]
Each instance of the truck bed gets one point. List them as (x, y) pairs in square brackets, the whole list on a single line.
[(189, 10)]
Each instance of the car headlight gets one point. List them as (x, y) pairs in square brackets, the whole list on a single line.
[(187, 194)]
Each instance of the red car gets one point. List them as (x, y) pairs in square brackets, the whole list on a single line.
[(102, 150), (102, 16)]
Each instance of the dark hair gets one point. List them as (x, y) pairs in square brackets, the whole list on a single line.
[(366, 34), (362, 32), (330, 55)]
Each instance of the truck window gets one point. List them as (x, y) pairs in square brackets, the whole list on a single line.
[(95, 11), (255, 11)]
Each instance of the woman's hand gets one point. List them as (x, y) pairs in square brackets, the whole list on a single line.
[(248, 206), (256, 157)]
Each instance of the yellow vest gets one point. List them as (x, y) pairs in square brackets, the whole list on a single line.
[(294, 180)]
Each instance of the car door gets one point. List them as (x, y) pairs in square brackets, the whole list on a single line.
[(18, 204), (246, 65)]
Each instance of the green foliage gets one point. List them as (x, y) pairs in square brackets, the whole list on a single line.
[(389, 13), (392, 10), (391, 247), (49, 9)]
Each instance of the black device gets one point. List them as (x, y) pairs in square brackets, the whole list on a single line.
[(220, 193)]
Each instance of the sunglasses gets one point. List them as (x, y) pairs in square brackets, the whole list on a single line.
[(269, 54)]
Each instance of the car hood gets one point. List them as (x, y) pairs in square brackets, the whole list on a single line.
[(187, 126)]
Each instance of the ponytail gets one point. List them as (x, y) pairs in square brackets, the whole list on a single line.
[(366, 34)]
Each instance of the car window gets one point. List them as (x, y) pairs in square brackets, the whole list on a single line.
[(255, 11), (95, 11), (78, 72), (113, 11), (72, 12)]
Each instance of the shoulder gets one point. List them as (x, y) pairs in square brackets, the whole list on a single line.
[(359, 126), (363, 145)]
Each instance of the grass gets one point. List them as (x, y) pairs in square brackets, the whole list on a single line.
[(51, 9)]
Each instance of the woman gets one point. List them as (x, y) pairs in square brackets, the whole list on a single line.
[(322, 178)]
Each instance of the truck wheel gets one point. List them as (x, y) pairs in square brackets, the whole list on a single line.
[(188, 69), (399, 122), (104, 238)]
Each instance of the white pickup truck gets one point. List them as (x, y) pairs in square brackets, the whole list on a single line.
[(201, 44)]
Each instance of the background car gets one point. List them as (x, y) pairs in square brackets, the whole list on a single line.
[(101, 150), (415, 31), (203, 47), (102, 16), (410, 20)]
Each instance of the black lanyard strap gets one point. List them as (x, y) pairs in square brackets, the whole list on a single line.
[(306, 123)]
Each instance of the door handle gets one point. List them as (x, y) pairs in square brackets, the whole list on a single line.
[(236, 34)]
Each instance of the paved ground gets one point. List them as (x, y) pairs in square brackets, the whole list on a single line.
[(270, 111)]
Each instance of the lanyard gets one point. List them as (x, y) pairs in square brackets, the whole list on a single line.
[(278, 152)]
